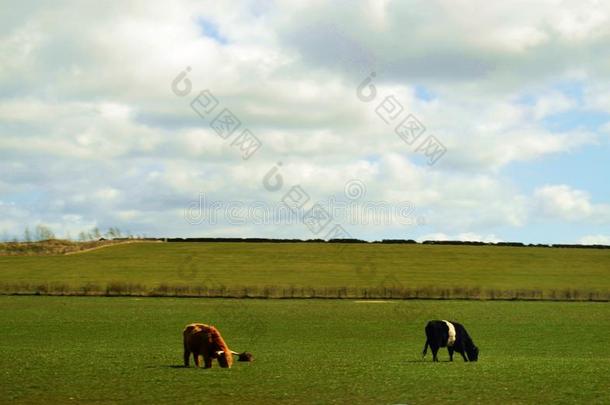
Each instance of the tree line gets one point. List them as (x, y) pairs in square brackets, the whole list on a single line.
[(43, 232)]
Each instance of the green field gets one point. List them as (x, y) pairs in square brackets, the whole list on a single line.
[(145, 266), (108, 350)]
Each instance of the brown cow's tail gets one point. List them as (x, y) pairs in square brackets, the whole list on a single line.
[(226, 358)]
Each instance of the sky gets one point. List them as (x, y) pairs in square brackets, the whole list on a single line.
[(377, 119)]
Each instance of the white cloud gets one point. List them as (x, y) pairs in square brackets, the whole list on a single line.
[(568, 204), (107, 194), (552, 103), (595, 240)]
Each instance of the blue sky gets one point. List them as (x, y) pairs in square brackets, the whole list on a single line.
[(99, 128), (209, 29)]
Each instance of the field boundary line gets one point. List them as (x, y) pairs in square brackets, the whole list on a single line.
[(296, 298), (110, 245)]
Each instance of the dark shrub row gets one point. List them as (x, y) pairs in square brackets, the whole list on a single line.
[(221, 291), (383, 241)]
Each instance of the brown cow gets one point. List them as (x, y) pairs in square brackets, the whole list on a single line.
[(205, 340)]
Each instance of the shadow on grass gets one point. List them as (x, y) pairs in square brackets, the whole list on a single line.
[(168, 366)]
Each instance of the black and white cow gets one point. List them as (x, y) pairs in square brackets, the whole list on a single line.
[(451, 335)]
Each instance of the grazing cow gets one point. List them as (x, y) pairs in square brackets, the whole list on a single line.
[(205, 340), (451, 335)]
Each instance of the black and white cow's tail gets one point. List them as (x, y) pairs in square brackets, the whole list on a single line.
[(423, 354)]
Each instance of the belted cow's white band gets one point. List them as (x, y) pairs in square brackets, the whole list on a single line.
[(451, 340)]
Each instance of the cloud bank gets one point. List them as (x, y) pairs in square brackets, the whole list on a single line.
[(91, 133)]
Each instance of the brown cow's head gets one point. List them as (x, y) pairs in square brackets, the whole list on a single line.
[(245, 356), (223, 360)]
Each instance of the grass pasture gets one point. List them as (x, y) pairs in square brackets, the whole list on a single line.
[(127, 349), (314, 269)]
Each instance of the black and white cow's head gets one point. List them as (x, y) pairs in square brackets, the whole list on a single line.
[(472, 352)]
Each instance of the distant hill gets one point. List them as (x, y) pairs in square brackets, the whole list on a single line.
[(313, 269)]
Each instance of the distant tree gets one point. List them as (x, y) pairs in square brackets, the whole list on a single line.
[(82, 236), (44, 233), (27, 235), (113, 232), (96, 233)]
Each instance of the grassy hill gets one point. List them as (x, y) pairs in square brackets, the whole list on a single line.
[(315, 269)]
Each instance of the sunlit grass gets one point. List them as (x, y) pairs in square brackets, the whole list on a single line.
[(269, 269), (71, 349)]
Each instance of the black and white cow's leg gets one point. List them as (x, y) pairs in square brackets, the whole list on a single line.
[(463, 353), (434, 348), (451, 350)]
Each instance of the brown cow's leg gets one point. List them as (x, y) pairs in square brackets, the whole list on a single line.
[(207, 361), (187, 356), (187, 352), (196, 359)]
